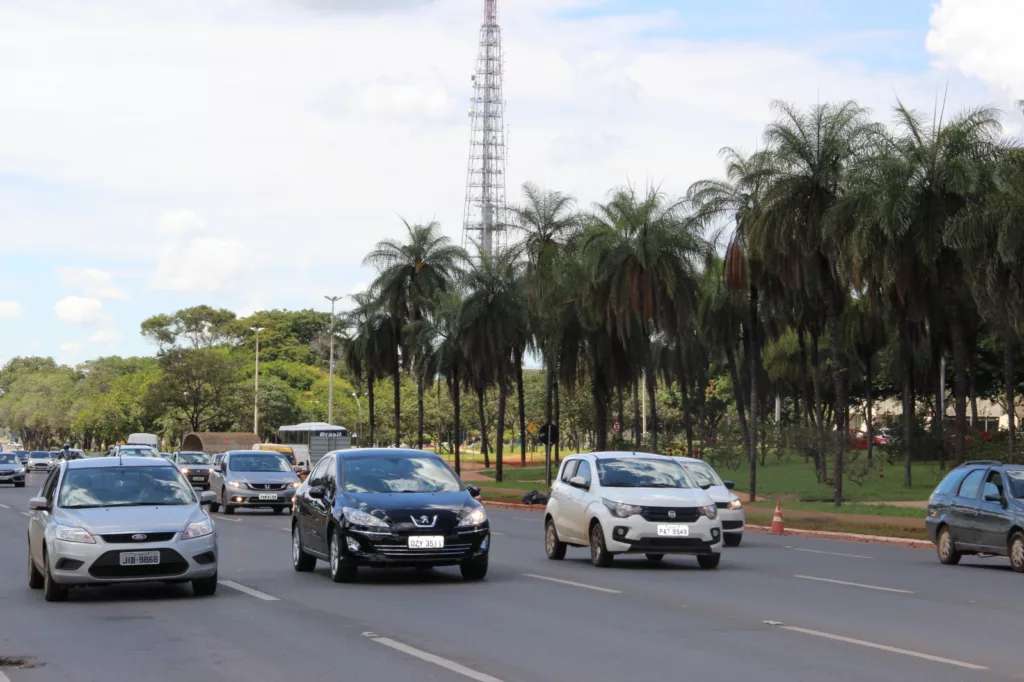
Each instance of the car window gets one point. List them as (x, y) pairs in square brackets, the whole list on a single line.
[(317, 475), (192, 458), (50, 485), (640, 472), (1016, 479), (262, 462), (950, 483), (330, 477), (399, 474), (569, 469), (972, 484), (702, 474), (9, 459), (117, 486), (583, 470), (993, 484)]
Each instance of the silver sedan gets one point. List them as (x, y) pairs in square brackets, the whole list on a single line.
[(115, 520)]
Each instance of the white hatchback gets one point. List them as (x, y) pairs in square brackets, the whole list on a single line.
[(630, 503)]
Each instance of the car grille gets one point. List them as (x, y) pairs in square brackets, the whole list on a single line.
[(128, 539), (402, 552), (109, 566), (722, 505), (731, 525), (268, 486), (670, 545), (682, 514)]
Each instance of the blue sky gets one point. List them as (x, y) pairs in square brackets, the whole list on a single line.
[(247, 155)]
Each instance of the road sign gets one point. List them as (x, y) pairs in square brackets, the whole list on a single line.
[(531, 428), (616, 427)]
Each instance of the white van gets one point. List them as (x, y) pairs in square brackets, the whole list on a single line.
[(144, 439)]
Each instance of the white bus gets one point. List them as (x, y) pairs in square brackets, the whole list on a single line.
[(313, 440)]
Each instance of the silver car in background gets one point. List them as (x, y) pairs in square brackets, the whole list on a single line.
[(254, 479), (196, 466), (730, 507), (116, 520)]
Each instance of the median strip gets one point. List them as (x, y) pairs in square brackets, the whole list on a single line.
[(848, 584), (884, 647), (248, 590), (431, 658), (570, 582)]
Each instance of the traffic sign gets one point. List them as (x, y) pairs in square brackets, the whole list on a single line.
[(531, 428), (616, 427)]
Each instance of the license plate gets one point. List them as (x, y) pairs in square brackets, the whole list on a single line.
[(140, 558), (268, 496), (427, 542), (197, 478), (674, 531)]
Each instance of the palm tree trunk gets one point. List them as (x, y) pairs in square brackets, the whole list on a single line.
[(959, 380), (652, 398), (622, 415), (396, 381), (483, 426), (805, 381), (549, 379), (752, 354), (558, 422), (457, 408), (687, 415), (419, 410), (972, 370), (939, 409), (868, 376), (522, 406), (500, 428), (842, 413), (741, 412), (371, 409), (637, 425), (909, 418), (1011, 401), (819, 406), (599, 392)]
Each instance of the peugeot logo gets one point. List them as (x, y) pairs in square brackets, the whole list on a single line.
[(671, 513), (139, 537), (424, 519)]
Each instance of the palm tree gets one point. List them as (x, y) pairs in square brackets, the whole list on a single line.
[(494, 324), (367, 348), (410, 276)]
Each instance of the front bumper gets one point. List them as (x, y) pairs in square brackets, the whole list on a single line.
[(76, 563), (12, 478), (636, 535), (391, 549), (198, 479), (37, 467), (733, 520), (238, 497)]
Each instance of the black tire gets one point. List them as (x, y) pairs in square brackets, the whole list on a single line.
[(554, 547), (215, 506), (301, 561), (51, 590), (228, 509), (655, 557), (342, 570), (474, 570), (709, 561), (205, 587), (35, 578), (946, 548), (19, 485), (732, 539), (599, 554), (1017, 552)]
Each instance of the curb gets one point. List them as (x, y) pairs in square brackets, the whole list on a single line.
[(849, 537), (537, 508)]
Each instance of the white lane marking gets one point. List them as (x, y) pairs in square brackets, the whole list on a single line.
[(523, 518), (818, 551), (4, 505), (883, 647), (574, 584), (228, 518), (248, 590), (848, 584), (431, 658), (25, 514), (493, 533)]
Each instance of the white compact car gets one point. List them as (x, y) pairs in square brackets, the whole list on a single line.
[(630, 503), (730, 508)]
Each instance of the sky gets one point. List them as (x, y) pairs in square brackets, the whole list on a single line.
[(246, 154)]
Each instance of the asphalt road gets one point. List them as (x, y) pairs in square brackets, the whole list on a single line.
[(767, 614)]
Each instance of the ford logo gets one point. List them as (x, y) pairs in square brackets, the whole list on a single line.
[(671, 513), (139, 537)]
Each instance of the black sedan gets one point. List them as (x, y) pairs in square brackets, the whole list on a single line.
[(388, 508)]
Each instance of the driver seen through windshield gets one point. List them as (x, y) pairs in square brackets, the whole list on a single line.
[(641, 473)]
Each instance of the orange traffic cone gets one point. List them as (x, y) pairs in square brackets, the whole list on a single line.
[(778, 527)]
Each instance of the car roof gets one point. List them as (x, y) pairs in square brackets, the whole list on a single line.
[(254, 452), (377, 452), (105, 462), (627, 454)]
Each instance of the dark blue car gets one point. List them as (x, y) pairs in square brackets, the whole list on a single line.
[(979, 509)]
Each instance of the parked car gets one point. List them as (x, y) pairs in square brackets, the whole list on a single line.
[(253, 479), (388, 507), (12, 470), (730, 508), (134, 519), (620, 503), (38, 460), (196, 466), (978, 508)]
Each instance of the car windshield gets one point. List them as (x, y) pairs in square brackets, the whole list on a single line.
[(635, 472), (259, 463), (8, 459), (384, 474), (702, 474), (193, 458), (136, 452), (40, 455), (1016, 483), (127, 486)]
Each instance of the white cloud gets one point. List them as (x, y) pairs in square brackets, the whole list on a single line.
[(92, 282), (190, 261), (103, 336), (10, 310), (79, 310)]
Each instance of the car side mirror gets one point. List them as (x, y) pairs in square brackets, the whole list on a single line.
[(207, 497), (729, 484), (578, 482), (221, 468), (316, 492), (705, 486), (39, 504), (994, 497), (474, 490)]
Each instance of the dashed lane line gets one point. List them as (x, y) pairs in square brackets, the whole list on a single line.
[(884, 647), (849, 584), (818, 551), (248, 590), (431, 658), (570, 582), (25, 514), (4, 505)]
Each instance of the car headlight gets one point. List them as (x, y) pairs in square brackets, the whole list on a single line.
[(198, 529), (185, 470), (296, 484), (19, 471), (238, 484), (621, 510), (710, 511), (474, 518), (75, 534), (361, 518), (735, 504)]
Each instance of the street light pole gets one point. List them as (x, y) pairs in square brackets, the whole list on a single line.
[(330, 383), (256, 399)]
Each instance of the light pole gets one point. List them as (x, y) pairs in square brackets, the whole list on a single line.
[(256, 399), (330, 382), (359, 425)]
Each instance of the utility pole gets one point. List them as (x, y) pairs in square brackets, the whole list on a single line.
[(256, 399), (330, 382), (359, 405)]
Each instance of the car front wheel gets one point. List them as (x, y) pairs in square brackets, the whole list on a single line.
[(946, 549), (599, 554), (51, 590), (1017, 552), (474, 570), (342, 570), (709, 561), (35, 578), (301, 561), (205, 587)]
